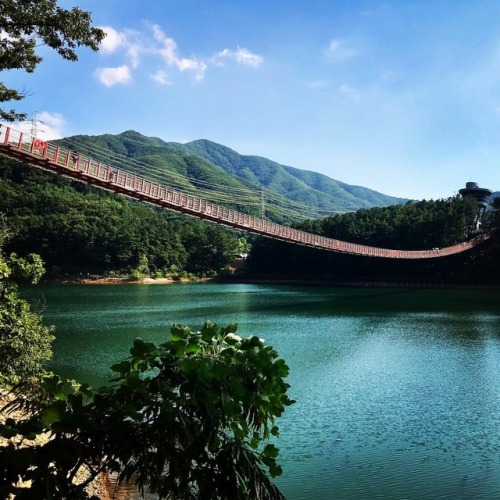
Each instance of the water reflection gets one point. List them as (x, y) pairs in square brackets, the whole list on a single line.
[(398, 391)]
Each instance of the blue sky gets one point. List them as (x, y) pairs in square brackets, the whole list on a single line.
[(399, 96)]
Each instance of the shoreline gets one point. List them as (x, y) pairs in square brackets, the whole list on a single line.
[(359, 283), (123, 281)]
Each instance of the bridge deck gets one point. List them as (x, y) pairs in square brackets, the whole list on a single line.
[(71, 164)]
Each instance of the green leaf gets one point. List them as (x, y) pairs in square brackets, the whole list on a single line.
[(270, 451), (140, 348), (54, 413), (133, 380), (178, 332), (176, 424), (122, 367)]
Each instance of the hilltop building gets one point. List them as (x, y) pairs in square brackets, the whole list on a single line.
[(481, 196)]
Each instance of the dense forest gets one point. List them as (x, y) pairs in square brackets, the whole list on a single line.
[(413, 226), (77, 229), (222, 175)]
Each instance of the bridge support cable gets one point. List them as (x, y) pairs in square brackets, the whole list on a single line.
[(56, 159)]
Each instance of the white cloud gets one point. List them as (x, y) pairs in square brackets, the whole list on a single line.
[(168, 52), (44, 125), (113, 76), (348, 91), (112, 41), (52, 125), (135, 45), (127, 40), (241, 56), (161, 78), (133, 53), (342, 50)]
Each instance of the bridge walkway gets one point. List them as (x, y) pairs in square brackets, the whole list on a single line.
[(59, 160)]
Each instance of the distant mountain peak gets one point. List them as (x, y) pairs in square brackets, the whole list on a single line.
[(290, 193)]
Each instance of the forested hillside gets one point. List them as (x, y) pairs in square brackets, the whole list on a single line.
[(421, 225), (78, 229), (311, 188), (219, 174)]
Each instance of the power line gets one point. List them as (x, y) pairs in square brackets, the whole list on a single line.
[(247, 196)]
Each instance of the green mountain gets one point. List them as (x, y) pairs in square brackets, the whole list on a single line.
[(248, 183), (311, 188)]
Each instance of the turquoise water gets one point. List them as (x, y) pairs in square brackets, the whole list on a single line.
[(398, 390)]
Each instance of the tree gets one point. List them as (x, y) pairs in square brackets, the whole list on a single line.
[(25, 343), (413, 226), (185, 419), (496, 212), (27, 24)]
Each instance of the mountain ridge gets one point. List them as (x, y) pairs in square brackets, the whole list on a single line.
[(207, 165), (219, 155)]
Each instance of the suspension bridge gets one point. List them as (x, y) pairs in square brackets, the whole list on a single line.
[(70, 163)]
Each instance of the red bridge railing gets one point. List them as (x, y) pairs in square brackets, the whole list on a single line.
[(71, 164)]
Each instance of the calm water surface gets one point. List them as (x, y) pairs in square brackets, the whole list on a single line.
[(398, 391)]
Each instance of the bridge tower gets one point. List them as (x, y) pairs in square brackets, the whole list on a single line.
[(481, 196)]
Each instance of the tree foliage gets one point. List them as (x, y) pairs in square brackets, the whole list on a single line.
[(27, 24), (413, 226), (242, 182), (78, 229), (25, 343), (188, 418), (308, 191)]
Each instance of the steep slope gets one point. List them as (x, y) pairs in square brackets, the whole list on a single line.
[(300, 185), (156, 159), (290, 193)]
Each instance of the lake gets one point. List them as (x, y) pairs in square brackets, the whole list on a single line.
[(397, 390)]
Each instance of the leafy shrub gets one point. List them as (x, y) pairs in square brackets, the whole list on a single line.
[(185, 419)]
